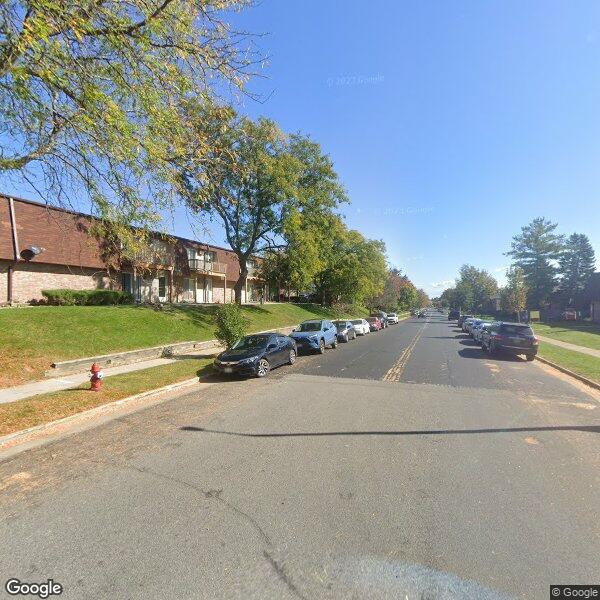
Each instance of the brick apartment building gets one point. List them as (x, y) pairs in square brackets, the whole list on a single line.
[(45, 247)]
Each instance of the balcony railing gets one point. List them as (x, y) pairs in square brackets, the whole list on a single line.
[(207, 266)]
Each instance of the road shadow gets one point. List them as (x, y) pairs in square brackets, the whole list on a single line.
[(409, 432), (478, 352)]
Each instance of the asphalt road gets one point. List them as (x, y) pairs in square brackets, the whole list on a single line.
[(405, 464)]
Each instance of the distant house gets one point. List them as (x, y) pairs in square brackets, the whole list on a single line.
[(592, 295), (492, 306)]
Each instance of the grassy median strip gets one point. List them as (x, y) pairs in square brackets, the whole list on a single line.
[(32, 338), (580, 333), (44, 408), (582, 364)]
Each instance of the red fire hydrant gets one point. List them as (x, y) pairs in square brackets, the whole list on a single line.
[(96, 378)]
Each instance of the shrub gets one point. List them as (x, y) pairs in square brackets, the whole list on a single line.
[(86, 297), (231, 324)]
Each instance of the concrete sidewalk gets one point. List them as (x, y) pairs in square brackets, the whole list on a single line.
[(568, 346), (45, 386)]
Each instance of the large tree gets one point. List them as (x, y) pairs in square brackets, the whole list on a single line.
[(513, 297), (577, 264), (355, 267), (89, 91), (267, 189), (474, 287), (536, 250), (399, 293)]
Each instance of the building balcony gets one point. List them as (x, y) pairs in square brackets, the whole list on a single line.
[(207, 266)]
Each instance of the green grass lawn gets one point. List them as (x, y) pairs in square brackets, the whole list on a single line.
[(32, 338), (582, 364), (44, 408), (581, 333)]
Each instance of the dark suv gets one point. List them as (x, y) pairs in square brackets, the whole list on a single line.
[(516, 338), (453, 315)]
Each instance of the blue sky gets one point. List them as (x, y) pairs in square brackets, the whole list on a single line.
[(450, 123)]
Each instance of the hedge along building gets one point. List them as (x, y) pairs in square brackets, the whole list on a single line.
[(45, 247)]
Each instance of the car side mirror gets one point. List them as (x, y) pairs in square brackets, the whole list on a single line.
[(271, 346)]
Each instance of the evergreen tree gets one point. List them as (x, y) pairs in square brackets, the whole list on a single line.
[(577, 264), (535, 250)]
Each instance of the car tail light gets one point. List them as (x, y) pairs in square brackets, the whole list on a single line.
[(497, 336), (535, 340)]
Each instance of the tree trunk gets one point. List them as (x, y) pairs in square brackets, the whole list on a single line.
[(240, 284)]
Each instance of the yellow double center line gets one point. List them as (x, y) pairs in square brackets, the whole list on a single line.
[(395, 372)]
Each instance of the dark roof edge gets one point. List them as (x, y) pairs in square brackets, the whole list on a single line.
[(88, 216)]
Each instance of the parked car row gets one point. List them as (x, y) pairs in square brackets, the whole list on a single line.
[(256, 354), (501, 336)]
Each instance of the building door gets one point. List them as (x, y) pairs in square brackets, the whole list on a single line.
[(208, 290), (127, 282), (189, 289)]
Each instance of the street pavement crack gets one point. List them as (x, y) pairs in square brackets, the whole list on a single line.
[(211, 494), (283, 576)]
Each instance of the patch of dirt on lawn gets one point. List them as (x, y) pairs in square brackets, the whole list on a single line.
[(16, 370)]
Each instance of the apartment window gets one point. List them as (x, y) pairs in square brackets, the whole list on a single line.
[(191, 253), (210, 256), (162, 287)]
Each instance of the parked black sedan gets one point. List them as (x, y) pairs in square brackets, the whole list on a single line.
[(255, 355)]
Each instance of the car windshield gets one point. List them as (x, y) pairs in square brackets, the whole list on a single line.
[(357, 322), (517, 330), (340, 324), (251, 342), (310, 326), (372, 319)]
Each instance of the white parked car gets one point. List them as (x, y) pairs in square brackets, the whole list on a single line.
[(361, 326), (477, 329), (392, 318)]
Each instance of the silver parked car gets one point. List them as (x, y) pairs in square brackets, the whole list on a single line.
[(467, 323), (477, 329)]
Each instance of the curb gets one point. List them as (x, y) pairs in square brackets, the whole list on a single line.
[(77, 366), (19, 441), (16, 442), (581, 378)]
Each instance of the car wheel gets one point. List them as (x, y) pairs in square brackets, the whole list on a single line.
[(334, 344), (263, 368), (292, 357), (346, 338), (322, 346), (492, 348), (530, 356)]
